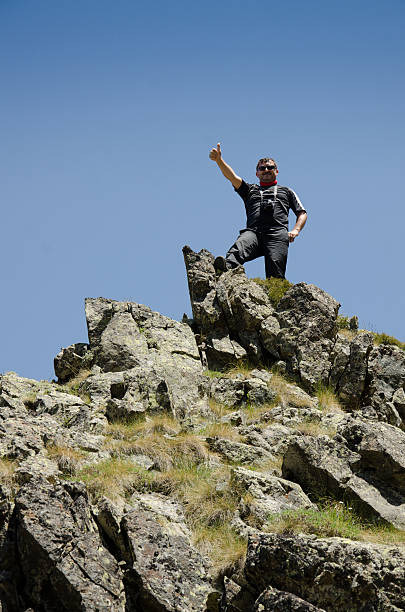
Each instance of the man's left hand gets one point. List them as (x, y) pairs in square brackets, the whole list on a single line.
[(292, 235)]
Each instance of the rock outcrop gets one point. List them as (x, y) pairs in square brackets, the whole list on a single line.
[(167, 468)]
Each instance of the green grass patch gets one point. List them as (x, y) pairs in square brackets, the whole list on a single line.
[(334, 519), (274, 287), (385, 339)]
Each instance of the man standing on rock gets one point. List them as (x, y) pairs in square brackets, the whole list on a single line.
[(267, 206)]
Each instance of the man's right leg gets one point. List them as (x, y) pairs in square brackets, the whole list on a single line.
[(245, 249)]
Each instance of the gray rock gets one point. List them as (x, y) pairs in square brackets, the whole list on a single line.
[(168, 573), (268, 494), (59, 552), (34, 467), (307, 317), (237, 392), (272, 599), (69, 361), (326, 467), (238, 452), (385, 376), (382, 450), (349, 368), (332, 574), (159, 353)]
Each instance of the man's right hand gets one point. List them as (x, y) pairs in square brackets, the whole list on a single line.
[(215, 154)]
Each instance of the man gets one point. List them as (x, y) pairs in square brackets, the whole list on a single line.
[(267, 206)]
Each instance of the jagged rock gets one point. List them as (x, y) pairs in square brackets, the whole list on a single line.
[(349, 368), (161, 353), (328, 467), (272, 599), (169, 575), (59, 553), (385, 377), (70, 360), (291, 416), (307, 317), (398, 399), (242, 391), (238, 452), (71, 411), (15, 391), (332, 573), (245, 306), (25, 437), (292, 395), (38, 466), (274, 438), (268, 494), (382, 450)]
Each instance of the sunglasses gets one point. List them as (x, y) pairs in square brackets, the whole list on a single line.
[(266, 168)]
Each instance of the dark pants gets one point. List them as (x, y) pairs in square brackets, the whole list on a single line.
[(251, 245)]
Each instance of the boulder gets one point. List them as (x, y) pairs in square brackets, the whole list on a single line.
[(59, 552), (69, 361), (325, 467), (267, 494), (272, 599), (386, 381), (167, 573), (382, 450), (333, 574), (238, 452), (349, 368), (307, 317), (161, 353)]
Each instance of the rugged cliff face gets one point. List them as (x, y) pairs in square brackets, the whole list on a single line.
[(251, 458)]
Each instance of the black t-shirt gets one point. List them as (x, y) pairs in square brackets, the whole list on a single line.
[(266, 211)]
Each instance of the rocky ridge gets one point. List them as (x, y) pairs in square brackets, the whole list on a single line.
[(167, 467)]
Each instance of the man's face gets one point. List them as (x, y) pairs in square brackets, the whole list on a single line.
[(267, 171)]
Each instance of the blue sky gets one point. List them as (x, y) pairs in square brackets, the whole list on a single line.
[(108, 113)]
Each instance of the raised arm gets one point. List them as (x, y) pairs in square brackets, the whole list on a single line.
[(216, 155)]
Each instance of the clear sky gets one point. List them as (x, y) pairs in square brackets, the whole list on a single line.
[(108, 113)]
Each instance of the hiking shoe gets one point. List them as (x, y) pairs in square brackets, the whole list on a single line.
[(220, 264)]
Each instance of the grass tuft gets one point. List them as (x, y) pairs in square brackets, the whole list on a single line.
[(7, 469), (286, 392), (385, 339), (274, 287), (334, 519), (328, 402), (68, 459)]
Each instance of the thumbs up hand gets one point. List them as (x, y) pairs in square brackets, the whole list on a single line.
[(215, 154)]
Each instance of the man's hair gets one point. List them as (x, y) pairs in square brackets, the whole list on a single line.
[(265, 159)]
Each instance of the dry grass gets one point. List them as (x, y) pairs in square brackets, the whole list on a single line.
[(328, 402), (241, 367), (221, 430), (219, 409), (73, 386), (350, 334), (253, 412), (284, 389), (222, 545), (269, 465), (145, 426), (334, 519), (68, 459), (7, 469), (114, 478), (315, 428), (165, 451)]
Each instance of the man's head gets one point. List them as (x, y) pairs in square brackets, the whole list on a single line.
[(266, 170)]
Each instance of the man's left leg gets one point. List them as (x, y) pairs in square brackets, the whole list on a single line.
[(275, 255)]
